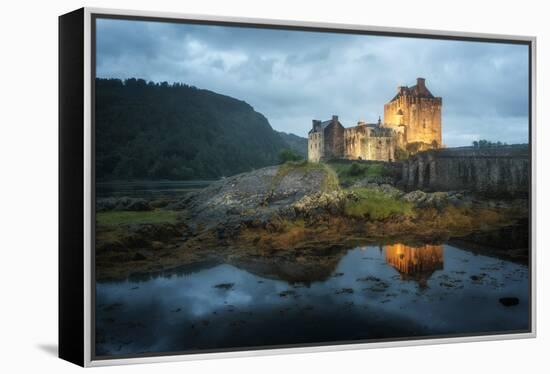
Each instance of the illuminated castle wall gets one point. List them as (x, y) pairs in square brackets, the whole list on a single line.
[(416, 113)]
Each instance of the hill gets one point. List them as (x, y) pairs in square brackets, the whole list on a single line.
[(296, 143), (147, 130)]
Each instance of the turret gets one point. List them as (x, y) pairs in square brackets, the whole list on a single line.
[(315, 124), (421, 84)]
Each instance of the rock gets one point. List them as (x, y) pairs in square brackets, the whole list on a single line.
[(377, 180), (224, 286), (390, 190), (182, 202), (257, 198), (415, 197), (153, 231), (509, 301), (344, 291), (322, 202), (137, 205), (387, 189), (437, 200), (122, 203), (423, 199), (369, 278), (478, 278), (287, 293), (233, 210)]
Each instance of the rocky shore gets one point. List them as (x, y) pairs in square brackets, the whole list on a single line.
[(297, 207)]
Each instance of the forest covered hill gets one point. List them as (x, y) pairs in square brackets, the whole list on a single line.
[(295, 143), (147, 130)]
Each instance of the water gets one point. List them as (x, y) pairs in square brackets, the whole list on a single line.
[(367, 293)]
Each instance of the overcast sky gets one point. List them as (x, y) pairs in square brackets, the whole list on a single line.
[(293, 77)]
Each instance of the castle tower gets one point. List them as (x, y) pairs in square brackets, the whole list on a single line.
[(326, 140), (415, 112)]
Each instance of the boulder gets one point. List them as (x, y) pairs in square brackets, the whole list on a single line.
[(256, 197), (436, 200), (122, 203), (332, 203), (509, 301)]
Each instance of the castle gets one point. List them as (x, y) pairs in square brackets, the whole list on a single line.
[(412, 121)]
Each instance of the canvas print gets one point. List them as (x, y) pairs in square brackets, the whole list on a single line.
[(261, 187)]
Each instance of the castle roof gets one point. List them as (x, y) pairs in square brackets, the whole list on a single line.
[(414, 91), (418, 90), (322, 125)]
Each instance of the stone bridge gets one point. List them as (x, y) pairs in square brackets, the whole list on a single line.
[(495, 171)]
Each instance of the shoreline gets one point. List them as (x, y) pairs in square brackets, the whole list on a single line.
[(275, 241), (296, 208)]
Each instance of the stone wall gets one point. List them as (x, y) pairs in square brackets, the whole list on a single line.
[(353, 140), (365, 142), (380, 148), (491, 171), (315, 146)]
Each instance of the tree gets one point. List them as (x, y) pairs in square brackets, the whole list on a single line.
[(287, 155), (482, 143), (148, 130)]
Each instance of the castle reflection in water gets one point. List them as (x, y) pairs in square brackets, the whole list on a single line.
[(415, 263)]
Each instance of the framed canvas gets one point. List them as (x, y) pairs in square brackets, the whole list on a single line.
[(240, 186)]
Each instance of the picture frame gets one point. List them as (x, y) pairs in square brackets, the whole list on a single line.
[(79, 199)]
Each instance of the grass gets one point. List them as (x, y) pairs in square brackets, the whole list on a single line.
[(329, 183), (349, 173), (377, 205), (115, 218)]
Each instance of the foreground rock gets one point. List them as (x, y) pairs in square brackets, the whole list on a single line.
[(255, 198)]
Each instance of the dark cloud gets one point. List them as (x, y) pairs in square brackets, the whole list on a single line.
[(295, 76)]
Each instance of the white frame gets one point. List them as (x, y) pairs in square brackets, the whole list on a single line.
[(88, 362)]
